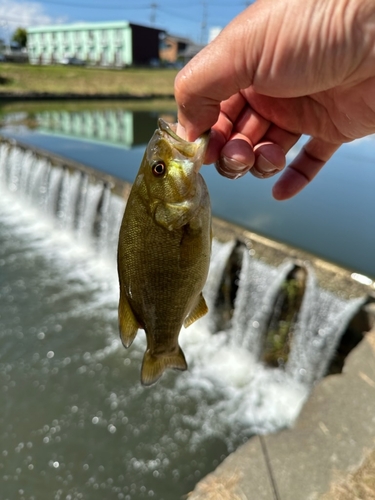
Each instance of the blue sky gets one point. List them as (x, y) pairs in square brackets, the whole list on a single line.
[(183, 17)]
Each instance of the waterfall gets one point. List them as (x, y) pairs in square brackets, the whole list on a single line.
[(271, 331), (77, 202)]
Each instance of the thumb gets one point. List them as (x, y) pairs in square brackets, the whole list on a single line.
[(216, 73)]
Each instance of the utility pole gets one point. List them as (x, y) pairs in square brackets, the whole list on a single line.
[(153, 6), (204, 22)]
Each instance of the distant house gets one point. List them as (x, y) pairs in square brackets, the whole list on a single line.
[(118, 43), (174, 48)]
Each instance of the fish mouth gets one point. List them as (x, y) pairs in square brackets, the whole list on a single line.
[(195, 150)]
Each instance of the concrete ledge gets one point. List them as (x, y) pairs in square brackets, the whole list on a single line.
[(245, 470), (332, 436)]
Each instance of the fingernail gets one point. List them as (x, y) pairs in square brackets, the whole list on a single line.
[(264, 165), (231, 168)]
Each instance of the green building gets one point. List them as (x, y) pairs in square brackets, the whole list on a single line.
[(117, 43)]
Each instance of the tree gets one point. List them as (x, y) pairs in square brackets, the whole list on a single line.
[(20, 37)]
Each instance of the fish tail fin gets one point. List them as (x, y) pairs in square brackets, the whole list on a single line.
[(128, 325), (153, 366)]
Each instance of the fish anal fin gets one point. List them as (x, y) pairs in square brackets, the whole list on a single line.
[(128, 325), (153, 366), (199, 310)]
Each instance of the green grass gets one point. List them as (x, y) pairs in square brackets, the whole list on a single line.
[(31, 107), (23, 78)]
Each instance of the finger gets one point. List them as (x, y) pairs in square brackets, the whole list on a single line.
[(286, 140), (233, 108), (236, 157), (215, 145), (312, 157), (269, 160), (238, 128), (180, 131), (270, 153), (220, 134), (251, 124), (231, 124)]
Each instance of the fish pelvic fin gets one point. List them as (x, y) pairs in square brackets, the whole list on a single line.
[(153, 366), (199, 310), (128, 325)]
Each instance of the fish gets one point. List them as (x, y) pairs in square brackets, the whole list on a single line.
[(164, 249)]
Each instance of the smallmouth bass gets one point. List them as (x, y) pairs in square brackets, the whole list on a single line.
[(164, 249)]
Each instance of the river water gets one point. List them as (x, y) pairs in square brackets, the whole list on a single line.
[(332, 218), (75, 423)]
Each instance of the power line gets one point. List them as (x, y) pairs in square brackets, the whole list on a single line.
[(156, 8), (137, 7), (96, 7)]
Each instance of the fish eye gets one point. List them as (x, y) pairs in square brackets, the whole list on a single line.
[(158, 168)]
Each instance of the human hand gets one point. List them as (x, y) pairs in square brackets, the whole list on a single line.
[(277, 71)]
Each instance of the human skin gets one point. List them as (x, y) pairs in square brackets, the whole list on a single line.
[(279, 70)]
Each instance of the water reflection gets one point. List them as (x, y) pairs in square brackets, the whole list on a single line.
[(120, 127)]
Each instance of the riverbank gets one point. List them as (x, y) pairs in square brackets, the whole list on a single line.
[(27, 82)]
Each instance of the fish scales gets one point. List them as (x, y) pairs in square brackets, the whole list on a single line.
[(164, 250)]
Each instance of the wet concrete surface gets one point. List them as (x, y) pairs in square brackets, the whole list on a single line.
[(332, 436)]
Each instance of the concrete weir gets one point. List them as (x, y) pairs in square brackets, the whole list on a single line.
[(301, 318)]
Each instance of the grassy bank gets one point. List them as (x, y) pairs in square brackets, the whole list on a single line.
[(24, 78), (32, 107)]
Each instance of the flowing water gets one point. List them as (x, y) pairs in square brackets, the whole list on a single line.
[(75, 422)]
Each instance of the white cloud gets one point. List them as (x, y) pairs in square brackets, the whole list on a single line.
[(14, 14)]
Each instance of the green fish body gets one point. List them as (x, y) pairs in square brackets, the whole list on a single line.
[(164, 250)]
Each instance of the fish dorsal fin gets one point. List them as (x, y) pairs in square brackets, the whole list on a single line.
[(199, 310), (128, 325), (153, 366)]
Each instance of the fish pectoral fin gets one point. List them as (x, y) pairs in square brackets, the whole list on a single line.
[(128, 325), (199, 310), (153, 366)]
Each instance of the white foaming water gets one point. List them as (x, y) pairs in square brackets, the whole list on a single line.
[(234, 388)]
